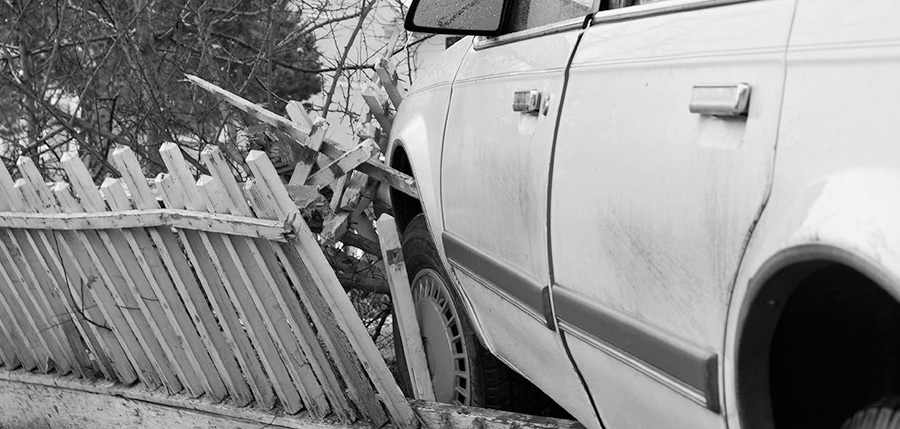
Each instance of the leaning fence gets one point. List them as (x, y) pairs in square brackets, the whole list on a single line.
[(200, 288)]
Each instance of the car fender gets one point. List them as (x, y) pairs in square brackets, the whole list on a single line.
[(850, 217), (418, 130)]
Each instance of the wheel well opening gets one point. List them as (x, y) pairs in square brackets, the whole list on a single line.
[(820, 342), (404, 206)]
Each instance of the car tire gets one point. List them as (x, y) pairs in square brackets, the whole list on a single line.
[(462, 371), (884, 414)]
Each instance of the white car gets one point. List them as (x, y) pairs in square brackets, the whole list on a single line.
[(672, 214)]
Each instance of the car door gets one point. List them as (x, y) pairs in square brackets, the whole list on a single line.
[(658, 180), (494, 183)]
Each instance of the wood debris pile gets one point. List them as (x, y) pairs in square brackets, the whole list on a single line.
[(339, 192)]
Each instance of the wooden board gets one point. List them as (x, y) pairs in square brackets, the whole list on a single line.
[(404, 309)]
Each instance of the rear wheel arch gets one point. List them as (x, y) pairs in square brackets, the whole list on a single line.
[(405, 207), (811, 337)]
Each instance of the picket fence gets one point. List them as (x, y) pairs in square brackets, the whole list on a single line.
[(211, 289)]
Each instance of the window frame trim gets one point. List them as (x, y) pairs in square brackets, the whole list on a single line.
[(661, 7)]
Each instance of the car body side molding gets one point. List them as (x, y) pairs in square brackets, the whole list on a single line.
[(528, 291), (680, 365)]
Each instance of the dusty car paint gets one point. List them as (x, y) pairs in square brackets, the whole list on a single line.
[(837, 178), (661, 219)]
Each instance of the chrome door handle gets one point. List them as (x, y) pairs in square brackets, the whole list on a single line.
[(721, 99), (527, 101)]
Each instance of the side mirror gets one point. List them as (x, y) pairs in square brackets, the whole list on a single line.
[(463, 17)]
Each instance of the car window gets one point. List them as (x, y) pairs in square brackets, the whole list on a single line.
[(536, 13)]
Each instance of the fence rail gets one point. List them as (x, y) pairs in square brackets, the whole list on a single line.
[(220, 292)]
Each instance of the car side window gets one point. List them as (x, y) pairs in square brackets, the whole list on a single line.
[(536, 13)]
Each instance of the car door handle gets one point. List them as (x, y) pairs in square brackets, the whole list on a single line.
[(528, 101), (721, 99)]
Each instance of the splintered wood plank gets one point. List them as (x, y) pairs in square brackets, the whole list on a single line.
[(387, 74), (404, 309), (394, 178), (48, 255), (240, 340), (359, 219), (182, 280), (235, 279), (356, 183), (374, 168), (296, 315), (324, 278), (376, 99), (102, 311), (299, 115), (268, 304), (334, 227), (305, 164), (344, 164)]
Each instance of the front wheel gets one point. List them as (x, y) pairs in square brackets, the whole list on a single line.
[(462, 371)]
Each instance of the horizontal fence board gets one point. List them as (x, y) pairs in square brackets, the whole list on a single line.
[(184, 219)]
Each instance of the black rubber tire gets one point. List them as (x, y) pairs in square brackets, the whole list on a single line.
[(493, 384), (489, 379), (884, 414)]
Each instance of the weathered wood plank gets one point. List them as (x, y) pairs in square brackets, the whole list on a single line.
[(34, 301), (171, 259), (359, 219), (157, 298), (404, 309), (184, 219), (58, 321), (270, 305), (209, 272), (28, 344), (230, 269), (323, 317), (376, 99), (299, 115), (31, 263), (25, 313), (34, 264), (325, 279), (387, 74), (120, 346), (363, 152), (135, 333), (294, 312), (49, 256), (394, 178), (305, 165), (261, 283)]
